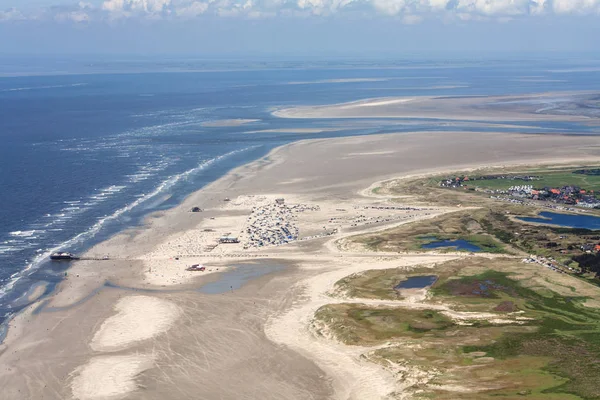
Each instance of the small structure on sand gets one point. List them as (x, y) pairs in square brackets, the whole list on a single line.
[(280, 201), (228, 239)]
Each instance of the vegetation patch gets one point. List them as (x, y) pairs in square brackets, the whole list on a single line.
[(488, 285), (506, 306), (456, 226), (566, 336), (551, 351), (373, 284), (358, 324)]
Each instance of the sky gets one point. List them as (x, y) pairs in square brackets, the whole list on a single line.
[(298, 27)]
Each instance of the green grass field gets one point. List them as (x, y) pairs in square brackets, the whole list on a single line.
[(549, 179)]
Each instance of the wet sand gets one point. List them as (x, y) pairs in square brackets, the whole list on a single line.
[(236, 344)]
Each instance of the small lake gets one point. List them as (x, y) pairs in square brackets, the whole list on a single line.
[(457, 244), (566, 220), (417, 282)]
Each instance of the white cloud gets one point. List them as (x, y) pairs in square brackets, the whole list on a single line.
[(407, 11), (410, 19), (576, 6), (74, 16), (391, 7), (192, 10), (12, 14), (136, 6), (493, 7)]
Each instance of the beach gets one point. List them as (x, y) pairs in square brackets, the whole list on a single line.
[(141, 326)]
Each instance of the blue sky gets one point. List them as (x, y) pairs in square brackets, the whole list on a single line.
[(297, 26)]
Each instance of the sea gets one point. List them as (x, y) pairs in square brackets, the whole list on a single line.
[(89, 147)]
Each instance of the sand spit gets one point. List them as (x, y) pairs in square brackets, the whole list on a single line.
[(539, 106), (347, 80), (296, 130), (222, 123), (109, 377), (138, 318)]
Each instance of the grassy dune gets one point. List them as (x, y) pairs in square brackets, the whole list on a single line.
[(460, 225), (544, 342)]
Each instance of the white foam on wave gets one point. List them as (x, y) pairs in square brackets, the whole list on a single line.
[(112, 189), (7, 249), (20, 89), (149, 170), (94, 229), (22, 233)]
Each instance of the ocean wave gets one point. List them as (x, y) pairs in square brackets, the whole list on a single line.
[(22, 233), (20, 89), (113, 189), (8, 249), (149, 170), (97, 227)]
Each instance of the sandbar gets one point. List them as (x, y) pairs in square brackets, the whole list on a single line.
[(561, 106), (228, 122), (138, 318), (109, 377)]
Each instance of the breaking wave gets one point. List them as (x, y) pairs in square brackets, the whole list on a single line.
[(97, 227)]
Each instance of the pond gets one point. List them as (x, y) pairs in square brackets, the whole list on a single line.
[(458, 244), (417, 282), (566, 220)]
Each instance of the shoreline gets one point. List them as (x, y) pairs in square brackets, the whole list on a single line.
[(276, 173)]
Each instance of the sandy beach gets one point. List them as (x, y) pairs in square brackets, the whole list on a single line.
[(142, 326)]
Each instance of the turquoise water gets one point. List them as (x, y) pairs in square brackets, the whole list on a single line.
[(417, 282), (566, 220), (457, 244)]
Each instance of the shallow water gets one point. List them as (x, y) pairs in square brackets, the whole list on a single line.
[(457, 244), (417, 282), (237, 276), (566, 220)]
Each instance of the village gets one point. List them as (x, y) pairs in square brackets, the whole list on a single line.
[(568, 195)]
